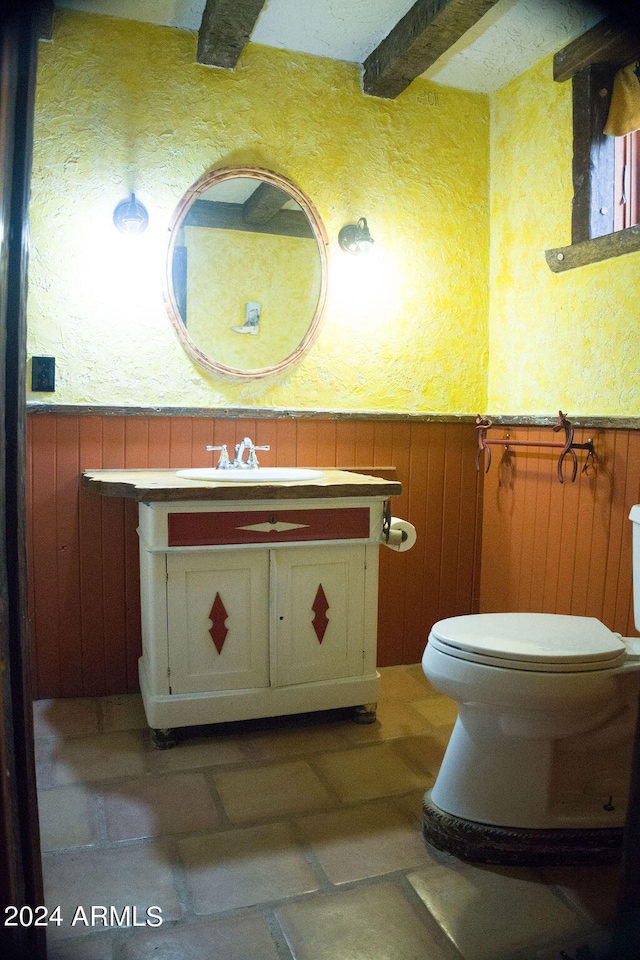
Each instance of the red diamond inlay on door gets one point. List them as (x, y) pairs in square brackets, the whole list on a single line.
[(320, 621), (218, 616)]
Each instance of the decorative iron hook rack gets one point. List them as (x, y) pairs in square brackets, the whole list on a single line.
[(483, 424)]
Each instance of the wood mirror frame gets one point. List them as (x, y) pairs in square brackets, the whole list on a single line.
[(200, 187)]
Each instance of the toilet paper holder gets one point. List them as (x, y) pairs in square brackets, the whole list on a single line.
[(386, 523), (568, 448), (386, 520), (397, 534)]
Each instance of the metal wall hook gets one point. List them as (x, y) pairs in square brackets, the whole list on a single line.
[(568, 448)]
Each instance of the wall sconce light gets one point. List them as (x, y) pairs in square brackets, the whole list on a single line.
[(131, 216), (355, 237)]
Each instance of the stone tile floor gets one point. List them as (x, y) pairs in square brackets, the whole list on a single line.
[(287, 839)]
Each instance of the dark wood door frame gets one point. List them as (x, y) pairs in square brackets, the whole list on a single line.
[(20, 860)]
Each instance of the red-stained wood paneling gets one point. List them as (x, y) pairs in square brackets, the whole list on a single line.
[(517, 541), (561, 548), (83, 549), (42, 553), (67, 550)]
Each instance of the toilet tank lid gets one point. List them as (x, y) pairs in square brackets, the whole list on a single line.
[(535, 637), (634, 516)]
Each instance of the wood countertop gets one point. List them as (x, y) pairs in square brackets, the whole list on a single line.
[(164, 485)]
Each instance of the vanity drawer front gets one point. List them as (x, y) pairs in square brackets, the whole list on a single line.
[(267, 526)]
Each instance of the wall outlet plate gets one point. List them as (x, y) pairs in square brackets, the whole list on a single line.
[(43, 374)]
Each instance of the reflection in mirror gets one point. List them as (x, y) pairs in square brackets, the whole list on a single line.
[(246, 273)]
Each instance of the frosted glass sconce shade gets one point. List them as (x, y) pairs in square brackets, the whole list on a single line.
[(131, 216), (355, 237)]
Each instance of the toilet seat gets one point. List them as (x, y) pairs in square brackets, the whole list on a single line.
[(541, 642)]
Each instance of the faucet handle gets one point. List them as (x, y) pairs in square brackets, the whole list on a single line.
[(252, 460), (223, 462)]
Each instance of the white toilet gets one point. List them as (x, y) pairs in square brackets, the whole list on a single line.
[(546, 714)]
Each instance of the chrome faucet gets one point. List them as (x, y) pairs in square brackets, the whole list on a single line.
[(246, 444), (251, 461), (223, 463), (238, 461)]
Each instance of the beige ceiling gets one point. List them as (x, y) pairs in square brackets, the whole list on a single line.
[(509, 39)]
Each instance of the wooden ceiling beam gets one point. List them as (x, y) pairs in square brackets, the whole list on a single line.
[(263, 204), (225, 29), (229, 216), (44, 20), (425, 32), (612, 40)]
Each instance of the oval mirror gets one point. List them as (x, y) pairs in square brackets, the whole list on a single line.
[(246, 273)]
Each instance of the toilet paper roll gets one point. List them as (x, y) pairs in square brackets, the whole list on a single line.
[(402, 535)]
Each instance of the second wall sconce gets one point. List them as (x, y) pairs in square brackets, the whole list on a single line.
[(131, 216), (355, 237)]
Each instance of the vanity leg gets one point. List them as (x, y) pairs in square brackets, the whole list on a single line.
[(163, 738), (364, 713)]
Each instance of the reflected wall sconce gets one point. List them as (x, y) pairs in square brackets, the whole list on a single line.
[(355, 237), (131, 216)]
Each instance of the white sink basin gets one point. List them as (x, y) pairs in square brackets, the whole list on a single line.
[(249, 475)]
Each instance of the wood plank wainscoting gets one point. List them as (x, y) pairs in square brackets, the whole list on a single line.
[(515, 539), (561, 548), (83, 550)]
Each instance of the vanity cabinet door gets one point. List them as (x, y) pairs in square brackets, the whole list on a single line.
[(318, 613), (218, 620)]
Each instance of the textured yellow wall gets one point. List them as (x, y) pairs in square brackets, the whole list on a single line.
[(568, 340), (230, 268), (123, 106)]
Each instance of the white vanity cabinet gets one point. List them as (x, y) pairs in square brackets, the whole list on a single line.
[(256, 599), (217, 615), (258, 609)]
